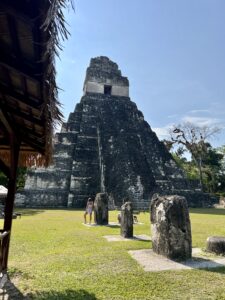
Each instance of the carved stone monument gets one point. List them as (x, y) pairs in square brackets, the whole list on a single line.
[(101, 209), (126, 229), (171, 229)]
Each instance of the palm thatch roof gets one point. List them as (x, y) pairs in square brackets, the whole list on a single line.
[(30, 34)]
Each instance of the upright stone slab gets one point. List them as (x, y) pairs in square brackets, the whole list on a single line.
[(126, 229), (171, 229), (101, 209)]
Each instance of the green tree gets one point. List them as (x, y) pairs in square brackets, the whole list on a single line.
[(188, 166), (195, 140), (3, 179), (21, 176), (212, 169)]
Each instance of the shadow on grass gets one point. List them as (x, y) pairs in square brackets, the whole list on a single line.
[(64, 295), (34, 211), (208, 211), (205, 264), (29, 212), (113, 225), (219, 269), (10, 291)]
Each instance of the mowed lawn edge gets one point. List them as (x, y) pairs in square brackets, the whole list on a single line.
[(54, 256)]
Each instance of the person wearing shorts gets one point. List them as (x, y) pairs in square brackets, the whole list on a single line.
[(89, 210)]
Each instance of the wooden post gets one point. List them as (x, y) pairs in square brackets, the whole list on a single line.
[(15, 147)]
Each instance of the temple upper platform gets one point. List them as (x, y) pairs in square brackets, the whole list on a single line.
[(104, 77)]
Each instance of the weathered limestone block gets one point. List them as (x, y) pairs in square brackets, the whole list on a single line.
[(126, 221), (101, 209), (171, 229), (216, 244)]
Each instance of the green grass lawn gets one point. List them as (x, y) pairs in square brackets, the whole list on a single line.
[(54, 256)]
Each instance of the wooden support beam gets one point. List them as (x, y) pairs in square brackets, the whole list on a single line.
[(21, 130), (40, 147), (38, 47), (26, 135), (14, 157), (25, 68), (34, 103), (30, 144), (31, 67), (24, 131), (5, 121), (18, 13), (14, 35), (16, 112), (4, 142)]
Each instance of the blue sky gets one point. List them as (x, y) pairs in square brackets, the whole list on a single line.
[(173, 53)]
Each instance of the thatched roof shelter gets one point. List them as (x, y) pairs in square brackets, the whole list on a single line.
[(30, 33), (29, 39)]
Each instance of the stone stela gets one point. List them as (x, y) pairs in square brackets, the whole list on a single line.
[(171, 228), (126, 221), (106, 146), (101, 209)]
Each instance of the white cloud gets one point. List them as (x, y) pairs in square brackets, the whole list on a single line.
[(172, 116), (197, 111), (212, 115), (201, 121), (162, 132)]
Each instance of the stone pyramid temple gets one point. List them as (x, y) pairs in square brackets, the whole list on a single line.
[(106, 146)]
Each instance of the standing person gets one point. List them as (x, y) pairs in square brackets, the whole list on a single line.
[(89, 210)]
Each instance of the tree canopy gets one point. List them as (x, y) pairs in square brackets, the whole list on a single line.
[(206, 164)]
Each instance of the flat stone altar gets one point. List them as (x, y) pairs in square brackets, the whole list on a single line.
[(152, 262)]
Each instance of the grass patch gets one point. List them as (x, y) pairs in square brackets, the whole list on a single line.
[(54, 256)]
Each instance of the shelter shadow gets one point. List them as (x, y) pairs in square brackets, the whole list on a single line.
[(29, 212), (63, 295), (10, 291)]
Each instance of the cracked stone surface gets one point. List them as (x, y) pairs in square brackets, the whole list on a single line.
[(171, 227)]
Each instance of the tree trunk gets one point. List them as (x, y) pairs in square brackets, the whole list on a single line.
[(200, 173)]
